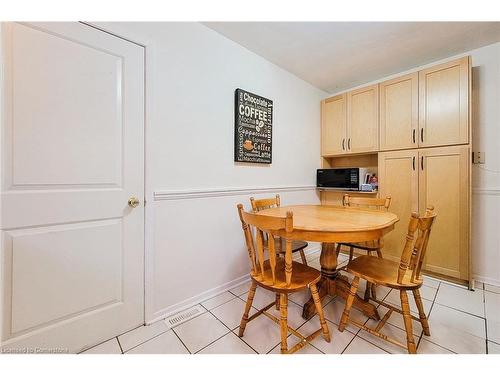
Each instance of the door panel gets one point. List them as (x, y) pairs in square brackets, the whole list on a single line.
[(91, 113), (334, 125), (45, 259), (399, 113), (444, 104), (444, 184), (72, 155), (362, 119), (398, 179)]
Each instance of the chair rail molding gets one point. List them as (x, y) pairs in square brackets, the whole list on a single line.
[(486, 191), (223, 192)]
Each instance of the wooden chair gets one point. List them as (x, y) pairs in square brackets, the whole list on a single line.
[(261, 204), (278, 274), (368, 246), (403, 276)]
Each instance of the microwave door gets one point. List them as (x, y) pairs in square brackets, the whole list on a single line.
[(336, 179)]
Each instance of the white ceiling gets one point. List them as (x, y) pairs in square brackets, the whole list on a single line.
[(335, 56)]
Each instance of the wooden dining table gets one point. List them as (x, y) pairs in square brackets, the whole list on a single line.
[(330, 225)]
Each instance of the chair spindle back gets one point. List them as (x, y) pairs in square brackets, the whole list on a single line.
[(414, 250), (375, 203), (272, 227), (262, 204)]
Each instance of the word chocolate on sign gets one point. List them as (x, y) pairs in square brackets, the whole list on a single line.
[(253, 128)]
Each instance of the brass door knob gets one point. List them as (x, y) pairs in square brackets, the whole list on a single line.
[(133, 202)]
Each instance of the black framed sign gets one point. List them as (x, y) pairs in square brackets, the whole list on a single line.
[(253, 128)]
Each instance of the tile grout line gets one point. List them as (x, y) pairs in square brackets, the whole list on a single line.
[(462, 311), (230, 331), (214, 307), (120, 345), (182, 342), (430, 310), (145, 341)]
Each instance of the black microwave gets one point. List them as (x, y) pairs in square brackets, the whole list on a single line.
[(341, 178)]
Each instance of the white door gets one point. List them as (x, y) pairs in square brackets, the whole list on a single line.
[(72, 151)]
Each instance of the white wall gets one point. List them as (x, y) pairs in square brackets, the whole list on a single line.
[(485, 178), (195, 245)]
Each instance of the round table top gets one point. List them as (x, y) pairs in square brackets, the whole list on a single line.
[(322, 218)]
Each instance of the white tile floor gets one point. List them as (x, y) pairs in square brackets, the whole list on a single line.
[(461, 321)]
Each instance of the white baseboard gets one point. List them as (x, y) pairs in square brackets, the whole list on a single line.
[(190, 302), (486, 280)]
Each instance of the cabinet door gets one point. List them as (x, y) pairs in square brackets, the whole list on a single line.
[(399, 113), (444, 104), (333, 125), (444, 184), (362, 119), (398, 178)]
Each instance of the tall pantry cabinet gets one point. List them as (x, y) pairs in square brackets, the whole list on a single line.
[(422, 155)]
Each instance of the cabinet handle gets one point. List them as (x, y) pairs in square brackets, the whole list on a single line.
[(422, 163), (421, 134), (349, 143), (343, 144), (414, 163), (413, 135)]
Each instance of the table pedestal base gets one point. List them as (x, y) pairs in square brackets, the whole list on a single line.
[(334, 284), (339, 286)]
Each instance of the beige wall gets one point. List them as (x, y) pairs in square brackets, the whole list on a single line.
[(194, 245)]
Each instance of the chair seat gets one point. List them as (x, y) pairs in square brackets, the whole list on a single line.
[(280, 247), (381, 272), (365, 245), (302, 277)]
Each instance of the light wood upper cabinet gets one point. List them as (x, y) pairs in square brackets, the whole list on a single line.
[(399, 113), (444, 183), (362, 119), (444, 104), (333, 125), (398, 176)]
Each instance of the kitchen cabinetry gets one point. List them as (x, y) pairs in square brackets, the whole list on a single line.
[(362, 119), (333, 125), (439, 177), (415, 131), (444, 104), (399, 113)]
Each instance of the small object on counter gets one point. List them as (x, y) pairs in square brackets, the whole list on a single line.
[(366, 187), (374, 182)]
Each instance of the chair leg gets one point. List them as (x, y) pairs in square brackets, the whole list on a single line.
[(410, 342), (351, 253), (368, 291), (248, 306), (348, 304), (303, 256), (379, 253), (337, 250), (277, 303), (283, 322), (319, 310), (421, 312), (374, 291)]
